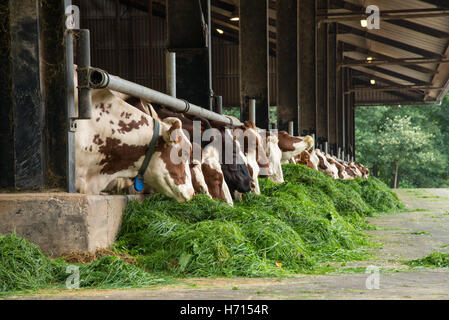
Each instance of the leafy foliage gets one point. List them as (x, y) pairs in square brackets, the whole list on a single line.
[(415, 139)]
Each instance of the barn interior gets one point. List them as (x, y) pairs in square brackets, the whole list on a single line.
[(316, 61)]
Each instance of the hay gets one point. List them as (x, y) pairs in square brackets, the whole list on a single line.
[(82, 257)]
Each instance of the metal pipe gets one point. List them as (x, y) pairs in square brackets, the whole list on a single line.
[(291, 128), (339, 153), (358, 17), (70, 107), (218, 108), (326, 148), (364, 63), (170, 58), (252, 110), (393, 88), (84, 91), (100, 79)]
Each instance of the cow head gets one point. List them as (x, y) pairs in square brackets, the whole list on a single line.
[(257, 161), (292, 146), (214, 175), (326, 167), (364, 170), (309, 159), (236, 171)]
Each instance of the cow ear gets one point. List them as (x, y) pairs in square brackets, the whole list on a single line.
[(174, 133)]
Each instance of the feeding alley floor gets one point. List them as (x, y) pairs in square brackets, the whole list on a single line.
[(405, 236)]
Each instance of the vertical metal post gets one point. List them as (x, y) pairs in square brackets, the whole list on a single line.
[(170, 59), (342, 155), (314, 140), (326, 148), (252, 110), (83, 57), (70, 105), (218, 106), (291, 128), (339, 153)]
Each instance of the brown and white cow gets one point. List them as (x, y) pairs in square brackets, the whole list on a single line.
[(342, 174), (324, 165), (309, 159), (293, 146), (364, 170), (235, 172), (114, 142), (254, 151)]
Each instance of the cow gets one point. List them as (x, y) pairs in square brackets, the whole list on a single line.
[(364, 170), (309, 159), (342, 174), (114, 142), (214, 175), (293, 146), (254, 150), (326, 167), (235, 172)]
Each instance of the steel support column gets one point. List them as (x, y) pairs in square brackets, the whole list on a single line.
[(58, 109), (25, 112), (339, 81), (189, 36), (287, 64), (307, 72), (332, 88), (321, 67), (254, 60)]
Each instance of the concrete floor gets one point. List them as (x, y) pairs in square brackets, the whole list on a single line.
[(429, 218)]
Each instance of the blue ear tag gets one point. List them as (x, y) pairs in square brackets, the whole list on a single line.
[(138, 184)]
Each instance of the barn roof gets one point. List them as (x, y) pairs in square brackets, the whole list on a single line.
[(409, 53)]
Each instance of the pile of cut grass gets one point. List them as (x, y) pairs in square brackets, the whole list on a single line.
[(288, 229), (23, 267), (435, 260)]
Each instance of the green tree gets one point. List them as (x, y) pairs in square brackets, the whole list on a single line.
[(429, 168), (403, 145)]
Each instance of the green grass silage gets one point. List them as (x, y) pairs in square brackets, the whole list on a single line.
[(287, 229), (290, 228), (23, 267), (433, 260)]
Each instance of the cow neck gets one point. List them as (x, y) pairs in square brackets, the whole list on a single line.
[(138, 181)]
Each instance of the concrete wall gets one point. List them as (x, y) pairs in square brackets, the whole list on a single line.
[(60, 222)]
